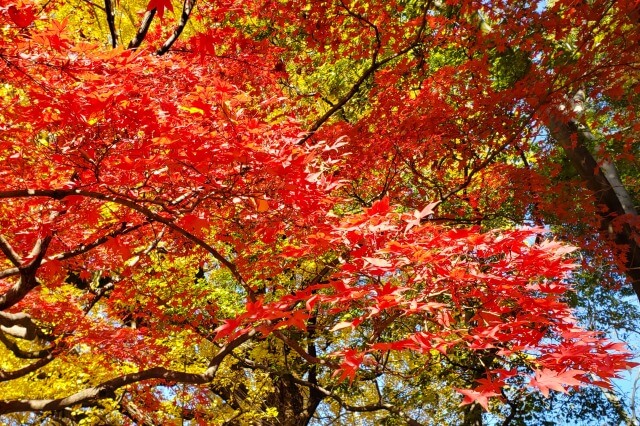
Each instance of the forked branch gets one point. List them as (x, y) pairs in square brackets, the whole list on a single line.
[(59, 194), (27, 281), (368, 73)]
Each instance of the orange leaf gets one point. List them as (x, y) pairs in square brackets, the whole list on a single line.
[(262, 205)]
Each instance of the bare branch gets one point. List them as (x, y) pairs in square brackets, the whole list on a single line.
[(142, 31), (111, 21), (187, 7)]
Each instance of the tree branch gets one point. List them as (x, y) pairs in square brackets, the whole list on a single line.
[(601, 177), (132, 411), (375, 65), (37, 254), (111, 21), (367, 22), (28, 279), (107, 388), (19, 353), (12, 375), (97, 296), (8, 251), (82, 248), (142, 31), (300, 351), (59, 194), (187, 7), (20, 325), (357, 408)]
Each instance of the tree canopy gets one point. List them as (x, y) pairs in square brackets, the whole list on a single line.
[(316, 212)]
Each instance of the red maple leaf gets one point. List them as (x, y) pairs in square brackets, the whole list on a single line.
[(546, 380), (298, 319), (482, 398), (22, 17), (379, 207), (160, 6)]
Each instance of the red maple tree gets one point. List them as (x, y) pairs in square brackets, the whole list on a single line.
[(348, 212)]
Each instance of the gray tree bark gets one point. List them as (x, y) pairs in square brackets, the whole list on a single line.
[(600, 176)]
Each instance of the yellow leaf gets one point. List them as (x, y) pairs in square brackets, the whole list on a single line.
[(192, 110)]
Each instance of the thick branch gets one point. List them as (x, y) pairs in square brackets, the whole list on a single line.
[(572, 140), (601, 177), (111, 21), (132, 411), (142, 31), (10, 252), (37, 254), (28, 279), (618, 406), (187, 7), (20, 325), (107, 389), (19, 353), (14, 294), (12, 375)]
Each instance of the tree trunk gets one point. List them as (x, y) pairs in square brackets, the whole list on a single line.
[(295, 404), (472, 415), (601, 177)]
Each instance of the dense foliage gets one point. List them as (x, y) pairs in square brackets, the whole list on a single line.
[(317, 212)]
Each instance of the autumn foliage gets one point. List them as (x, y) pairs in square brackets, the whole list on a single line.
[(324, 195)]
